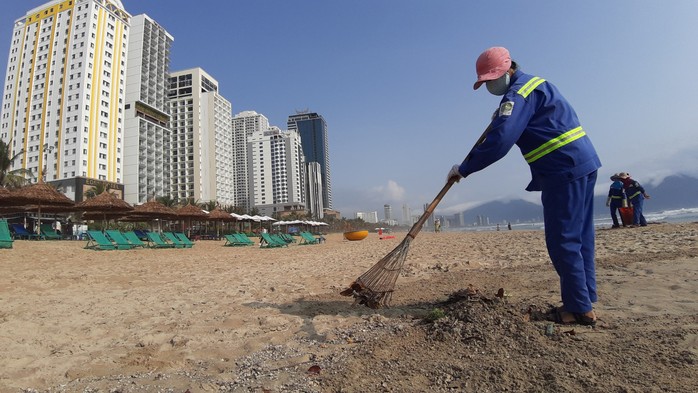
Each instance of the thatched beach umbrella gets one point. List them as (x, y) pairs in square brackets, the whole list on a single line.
[(218, 214), (191, 212), (38, 196), (105, 204), (151, 210)]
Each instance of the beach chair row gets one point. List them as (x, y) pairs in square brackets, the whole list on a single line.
[(116, 240)]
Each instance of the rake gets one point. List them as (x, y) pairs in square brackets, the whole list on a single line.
[(375, 287)]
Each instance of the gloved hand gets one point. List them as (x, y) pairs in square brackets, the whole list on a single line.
[(454, 173), (608, 201)]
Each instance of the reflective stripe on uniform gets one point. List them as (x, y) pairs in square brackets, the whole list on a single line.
[(635, 194), (554, 144), (526, 89)]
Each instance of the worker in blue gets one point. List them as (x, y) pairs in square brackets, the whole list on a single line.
[(636, 195), (616, 198), (534, 116)]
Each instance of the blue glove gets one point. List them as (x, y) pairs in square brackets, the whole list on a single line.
[(454, 173)]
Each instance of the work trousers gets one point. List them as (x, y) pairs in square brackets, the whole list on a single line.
[(568, 214), (614, 211), (638, 217)]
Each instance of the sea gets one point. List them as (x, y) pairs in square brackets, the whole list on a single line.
[(665, 216)]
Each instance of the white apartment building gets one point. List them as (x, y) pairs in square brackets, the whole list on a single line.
[(63, 96), (371, 217), (146, 150), (276, 175), (245, 124), (201, 143)]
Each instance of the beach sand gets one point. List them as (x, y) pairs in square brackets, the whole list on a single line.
[(245, 319)]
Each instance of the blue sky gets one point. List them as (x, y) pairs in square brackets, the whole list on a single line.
[(393, 80)]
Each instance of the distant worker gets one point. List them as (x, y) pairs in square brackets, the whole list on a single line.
[(437, 225), (616, 199), (535, 116), (636, 195), (509, 226)]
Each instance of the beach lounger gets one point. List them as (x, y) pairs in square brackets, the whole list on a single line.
[(233, 241), (47, 232), (156, 241), (184, 239), (170, 236), (142, 234), (288, 238), (308, 238), (5, 235), (118, 239), (270, 242), (96, 240), (22, 233), (134, 239), (244, 238)]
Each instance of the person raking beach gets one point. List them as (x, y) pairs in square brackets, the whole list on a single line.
[(535, 116)]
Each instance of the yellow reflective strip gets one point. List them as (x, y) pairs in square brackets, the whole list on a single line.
[(554, 144), (634, 195), (531, 85)]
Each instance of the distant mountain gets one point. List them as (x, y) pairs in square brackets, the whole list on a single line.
[(674, 192), (513, 211)]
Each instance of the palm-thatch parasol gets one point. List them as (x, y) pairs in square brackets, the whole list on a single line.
[(191, 212), (218, 214), (151, 210), (38, 196), (104, 205)]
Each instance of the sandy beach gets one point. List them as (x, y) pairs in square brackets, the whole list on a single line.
[(245, 319)]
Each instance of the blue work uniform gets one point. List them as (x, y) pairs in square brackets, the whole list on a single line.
[(616, 195), (636, 196), (539, 120)]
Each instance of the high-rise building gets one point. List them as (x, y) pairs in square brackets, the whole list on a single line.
[(146, 166), (387, 212), (313, 131), (63, 96), (244, 125), (276, 176), (201, 148), (406, 215), (371, 217)]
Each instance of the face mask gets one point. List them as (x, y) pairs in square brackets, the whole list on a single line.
[(499, 86)]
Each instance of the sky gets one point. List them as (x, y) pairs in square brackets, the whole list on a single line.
[(393, 80)]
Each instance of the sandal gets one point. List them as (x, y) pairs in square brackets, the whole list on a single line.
[(584, 320), (557, 315)]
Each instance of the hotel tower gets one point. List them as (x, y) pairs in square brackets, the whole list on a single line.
[(63, 96), (146, 124)]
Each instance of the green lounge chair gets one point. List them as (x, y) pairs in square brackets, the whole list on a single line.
[(133, 238), (244, 238), (308, 238), (97, 241), (49, 233), (170, 236), (269, 242), (184, 239), (155, 241), (5, 235), (288, 238), (233, 241), (119, 240)]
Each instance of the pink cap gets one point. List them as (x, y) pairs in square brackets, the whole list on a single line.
[(492, 64)]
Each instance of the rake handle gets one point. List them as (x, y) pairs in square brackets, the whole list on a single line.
[(432, 206)]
